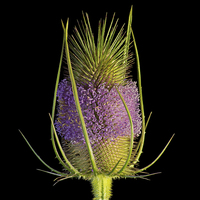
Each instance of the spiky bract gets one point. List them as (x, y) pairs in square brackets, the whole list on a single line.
[(103, 61)]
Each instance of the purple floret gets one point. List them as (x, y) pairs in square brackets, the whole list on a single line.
[(103, 110)]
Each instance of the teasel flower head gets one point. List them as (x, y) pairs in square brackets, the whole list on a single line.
[(100, 113)]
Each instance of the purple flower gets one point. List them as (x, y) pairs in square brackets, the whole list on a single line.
[(104, 113)]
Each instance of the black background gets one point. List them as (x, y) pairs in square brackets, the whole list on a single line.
[(36, 35)]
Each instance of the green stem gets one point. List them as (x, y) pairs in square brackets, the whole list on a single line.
[(101, 187)]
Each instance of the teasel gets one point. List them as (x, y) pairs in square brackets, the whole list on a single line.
[(100, 116)]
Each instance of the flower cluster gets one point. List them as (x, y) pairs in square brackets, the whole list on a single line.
[(104, 113)]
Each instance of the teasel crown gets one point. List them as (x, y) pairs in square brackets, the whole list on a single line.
[(100, 116), (106, 60)]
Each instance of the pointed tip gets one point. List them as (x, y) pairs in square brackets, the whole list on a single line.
[(170, 139), (62, 24), (113, 16), (106, 15), (87, 15), (131, 10), (22, 134), (66, 29), (157, 156), (84, 14)]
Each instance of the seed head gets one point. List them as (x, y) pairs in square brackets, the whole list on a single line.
[(100, 113), (106, 120)]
